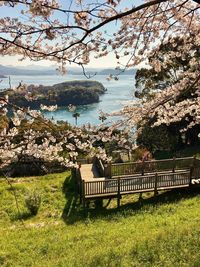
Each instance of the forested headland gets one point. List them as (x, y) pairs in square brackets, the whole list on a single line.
[(61, 94)]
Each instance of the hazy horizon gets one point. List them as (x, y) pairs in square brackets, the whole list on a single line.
[(109, 61)]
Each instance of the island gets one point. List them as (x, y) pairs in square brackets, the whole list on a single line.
[(61, 94)]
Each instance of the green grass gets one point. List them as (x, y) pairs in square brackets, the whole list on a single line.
[(161, 231)]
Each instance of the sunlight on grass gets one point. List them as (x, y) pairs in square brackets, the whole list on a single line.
[(161, 231)]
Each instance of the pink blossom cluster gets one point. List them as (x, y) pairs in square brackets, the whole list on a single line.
[(50, 145)]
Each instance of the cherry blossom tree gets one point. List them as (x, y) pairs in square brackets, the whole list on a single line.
[(48, 29), (52, 142), (177, 105)]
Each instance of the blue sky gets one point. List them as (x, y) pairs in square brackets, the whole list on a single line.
[(108, 61)]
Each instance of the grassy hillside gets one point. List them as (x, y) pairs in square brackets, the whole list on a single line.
[(161, 231)]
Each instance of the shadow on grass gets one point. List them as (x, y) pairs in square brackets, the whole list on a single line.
[(73, 211), (147, 204), (24, 215)]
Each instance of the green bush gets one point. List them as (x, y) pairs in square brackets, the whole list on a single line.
[(33, 201), (158, 138)]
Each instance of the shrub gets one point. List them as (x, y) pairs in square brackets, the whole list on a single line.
[(139, 153), (33, 201), (158, 138)]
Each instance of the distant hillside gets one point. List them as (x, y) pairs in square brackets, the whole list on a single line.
[(117, 72), (7, 70), (42, 71), (62, 94), (2, 76)]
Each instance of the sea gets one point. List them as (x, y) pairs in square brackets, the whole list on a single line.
[(119, 93)]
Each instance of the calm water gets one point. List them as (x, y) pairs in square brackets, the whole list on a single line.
[(118, 94)]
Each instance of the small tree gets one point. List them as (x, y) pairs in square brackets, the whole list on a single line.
[(76, 115), (33, 201), (102, 117), (72, 109)]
